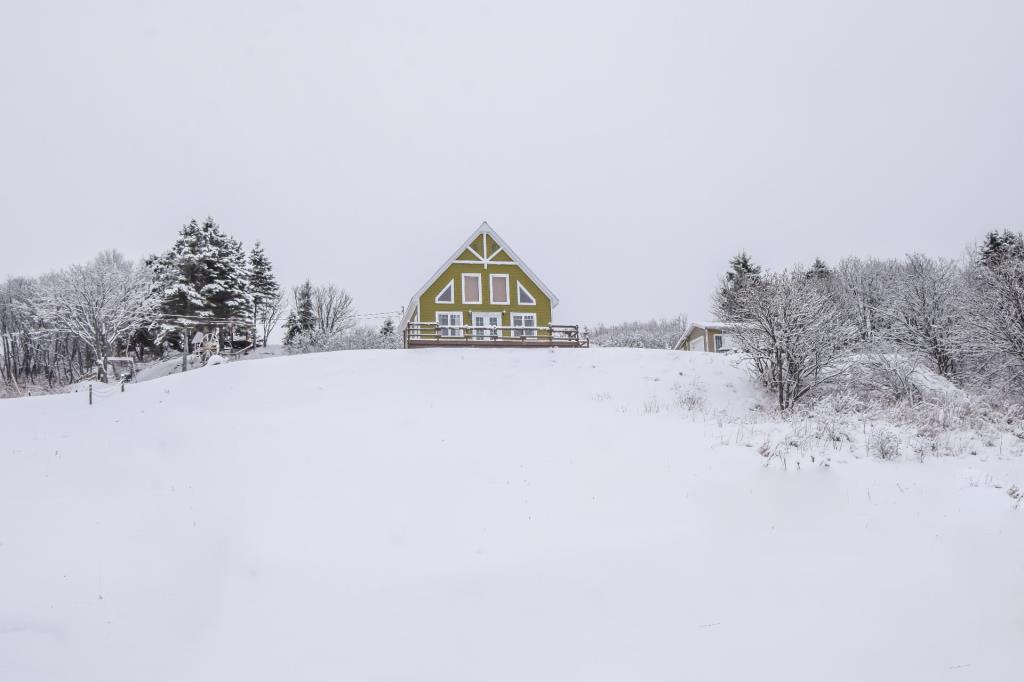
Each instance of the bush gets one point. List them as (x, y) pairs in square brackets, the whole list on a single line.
[(661, 334), (884, 443)]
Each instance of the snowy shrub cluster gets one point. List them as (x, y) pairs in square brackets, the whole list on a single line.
[(690, 397), (884, 442), (898, 331), (661, 334)]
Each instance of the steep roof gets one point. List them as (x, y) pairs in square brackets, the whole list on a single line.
[(489, 231)]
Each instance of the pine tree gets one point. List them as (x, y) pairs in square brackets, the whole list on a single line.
[(262, 284), (742, 272), (819, 270), (301, 318), (998, 248), (743, 267), (204, 275), (388, 328)]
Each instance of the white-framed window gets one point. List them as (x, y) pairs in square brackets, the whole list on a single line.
[(524, 324), (718, 343), (447, 295), (449, 324), (524, 296), (471, 288), (499, 290)]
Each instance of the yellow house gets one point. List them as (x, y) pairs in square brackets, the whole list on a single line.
[(484, 294)]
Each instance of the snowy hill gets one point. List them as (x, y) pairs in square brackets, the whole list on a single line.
[(601, 514)]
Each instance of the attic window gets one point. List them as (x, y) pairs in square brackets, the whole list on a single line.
[(525, 297), (447, 294)]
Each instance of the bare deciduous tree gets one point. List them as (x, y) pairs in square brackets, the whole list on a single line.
[(793, 331), (270, 313), (926, 310), (101, 302), (333, 309), (995, 326)]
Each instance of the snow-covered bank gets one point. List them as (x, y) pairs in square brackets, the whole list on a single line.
[(486, 514)]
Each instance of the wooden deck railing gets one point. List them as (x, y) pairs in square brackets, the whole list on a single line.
[(421, 334)]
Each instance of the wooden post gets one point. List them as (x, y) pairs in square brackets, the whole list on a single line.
[(122, 386), (90, 394), (184, 350)]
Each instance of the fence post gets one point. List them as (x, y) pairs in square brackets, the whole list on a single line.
[(122, 386), (185, 347), (90, 394)]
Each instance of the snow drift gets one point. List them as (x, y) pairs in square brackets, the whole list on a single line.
[(486, 515)]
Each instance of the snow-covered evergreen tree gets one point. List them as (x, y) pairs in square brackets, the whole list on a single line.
[(819, 270), (997, 248), (743, 272), (301, 318), (264, 289), (204, 275)]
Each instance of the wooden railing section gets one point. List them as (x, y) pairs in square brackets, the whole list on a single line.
[(421, 334)]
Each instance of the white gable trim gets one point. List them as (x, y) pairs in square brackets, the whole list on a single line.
[(488, 232)]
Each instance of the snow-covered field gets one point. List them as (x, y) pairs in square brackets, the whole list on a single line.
[(488, 515)]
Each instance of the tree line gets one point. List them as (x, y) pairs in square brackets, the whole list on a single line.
[(872, 322), (61, 327)]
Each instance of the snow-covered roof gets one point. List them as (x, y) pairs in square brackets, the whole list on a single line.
[(489, 231), (701, 325)]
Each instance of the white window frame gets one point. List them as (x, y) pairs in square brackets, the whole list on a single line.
[(451, 285), (479, 288), (445, 330), (519, 333), (718, 343), (508, 291), (520, 290)]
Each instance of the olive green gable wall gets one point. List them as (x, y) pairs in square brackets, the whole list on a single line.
[(428, 308), (478, 245)]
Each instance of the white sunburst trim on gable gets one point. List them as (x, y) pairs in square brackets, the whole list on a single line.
[(490, 235)]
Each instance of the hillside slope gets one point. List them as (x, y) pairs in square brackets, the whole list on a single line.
[(485, 515)]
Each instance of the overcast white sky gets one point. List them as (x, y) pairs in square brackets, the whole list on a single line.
[(625, 149)]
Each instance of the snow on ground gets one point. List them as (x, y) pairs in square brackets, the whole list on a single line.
[(158, 369), (487, 515)]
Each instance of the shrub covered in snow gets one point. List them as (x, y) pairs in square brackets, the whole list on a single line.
[(663, 333), (884, 442)]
